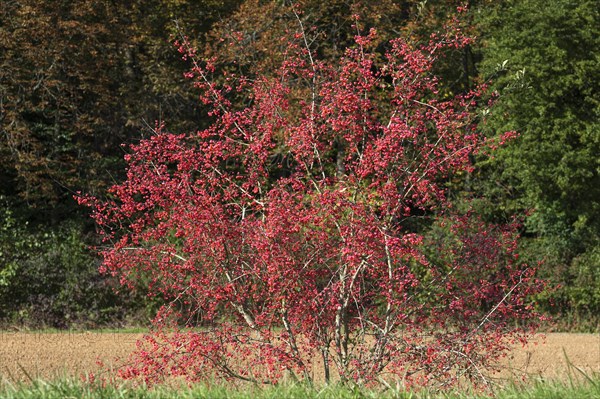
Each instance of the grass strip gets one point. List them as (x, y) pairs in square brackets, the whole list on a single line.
[(66, 388)]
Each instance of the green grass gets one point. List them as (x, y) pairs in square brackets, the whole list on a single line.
[(589, 389)]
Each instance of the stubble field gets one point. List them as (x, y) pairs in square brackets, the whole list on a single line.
[(48, 356)]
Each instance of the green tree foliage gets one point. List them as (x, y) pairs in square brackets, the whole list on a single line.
[(544, 60)]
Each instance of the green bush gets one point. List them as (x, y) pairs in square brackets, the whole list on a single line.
[(49, 278)]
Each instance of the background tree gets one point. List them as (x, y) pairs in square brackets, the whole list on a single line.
[(543, 59), (78, 79)]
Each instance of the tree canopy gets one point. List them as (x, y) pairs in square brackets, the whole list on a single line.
[(543, 60)]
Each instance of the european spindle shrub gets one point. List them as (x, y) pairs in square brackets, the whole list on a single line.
[(281, 237)]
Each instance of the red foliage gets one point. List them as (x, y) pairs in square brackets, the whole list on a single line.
[(283, 229)]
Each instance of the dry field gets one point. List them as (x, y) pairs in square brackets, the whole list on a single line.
[(52, 355)]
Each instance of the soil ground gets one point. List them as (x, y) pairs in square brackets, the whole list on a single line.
[(557, 356), (25, 356)]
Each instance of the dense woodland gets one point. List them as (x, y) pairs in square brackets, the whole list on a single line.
[(81, 80)]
